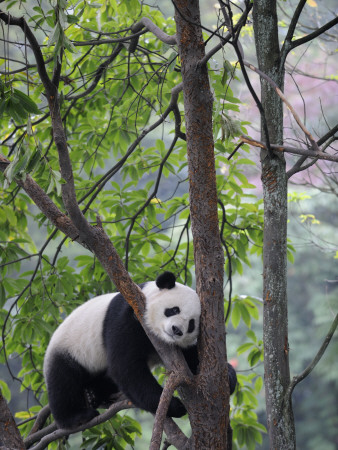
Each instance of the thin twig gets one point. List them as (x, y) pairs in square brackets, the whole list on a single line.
[(298, 378), (284, 99), (295, 151)]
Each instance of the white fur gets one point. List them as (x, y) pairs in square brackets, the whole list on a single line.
[(159, 299), (81, 334)]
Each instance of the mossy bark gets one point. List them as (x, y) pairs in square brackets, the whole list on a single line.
[(280, 421)]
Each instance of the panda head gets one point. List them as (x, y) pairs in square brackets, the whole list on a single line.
[(172, 310)]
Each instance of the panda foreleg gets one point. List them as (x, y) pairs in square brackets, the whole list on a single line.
[(191, 356), (142, 388)]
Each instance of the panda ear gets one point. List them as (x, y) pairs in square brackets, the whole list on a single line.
[(166, 280)]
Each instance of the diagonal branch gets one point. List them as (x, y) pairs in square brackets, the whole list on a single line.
[(313, 35), (292, 26), (171, 385), (297, 379), (59, 433), (295, 151), (175, 434), (46, 205), (150, 26), (20, 22), (99, 72), (284, 99)]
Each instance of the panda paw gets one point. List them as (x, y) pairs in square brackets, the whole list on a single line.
[(176, 408), (79, 418)]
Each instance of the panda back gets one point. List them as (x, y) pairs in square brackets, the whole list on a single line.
[(81, 335)]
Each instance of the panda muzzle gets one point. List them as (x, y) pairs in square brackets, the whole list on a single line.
[(177, 331)]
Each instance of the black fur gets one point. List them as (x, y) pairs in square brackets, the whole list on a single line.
[(70, 386), (128, 364), (166, 280)]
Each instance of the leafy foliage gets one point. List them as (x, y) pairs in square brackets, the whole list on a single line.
[(129, 173)]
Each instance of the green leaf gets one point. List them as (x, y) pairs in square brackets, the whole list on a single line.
[(235, 315), (72, 19), (5, 391), (244, 347), (26, 102)]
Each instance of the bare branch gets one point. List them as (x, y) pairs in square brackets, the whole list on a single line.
[(40, 420), (295, 151), (230, 35), (313, 35), (150, 26), (59, 433), (284, 99), (108, 41), (297, 379), (100, 71), (327, 136), (293, 24)]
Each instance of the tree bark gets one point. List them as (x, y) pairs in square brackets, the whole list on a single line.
[(9, 434), (280, 421), (208, 401)]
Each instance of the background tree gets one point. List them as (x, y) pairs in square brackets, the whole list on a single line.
[(111, 78)]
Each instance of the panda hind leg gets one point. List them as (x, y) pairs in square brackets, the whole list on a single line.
[(101, 391), (66, 385)]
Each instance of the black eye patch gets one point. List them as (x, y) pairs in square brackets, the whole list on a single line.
[(191, 326), (168, 312)]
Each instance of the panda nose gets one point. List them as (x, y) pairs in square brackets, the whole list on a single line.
[(177, 331)]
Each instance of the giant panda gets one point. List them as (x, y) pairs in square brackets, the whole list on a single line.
[(101, 349)]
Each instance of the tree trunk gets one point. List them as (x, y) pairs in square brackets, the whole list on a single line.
[(9, 434), (208, 402), (280, 420)]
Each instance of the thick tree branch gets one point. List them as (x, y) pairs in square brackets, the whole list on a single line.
[(9, 435), (40, 420), (171, 385), (327, 136), (20, 22), (108, 41), (46, 206), (150, 26)]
